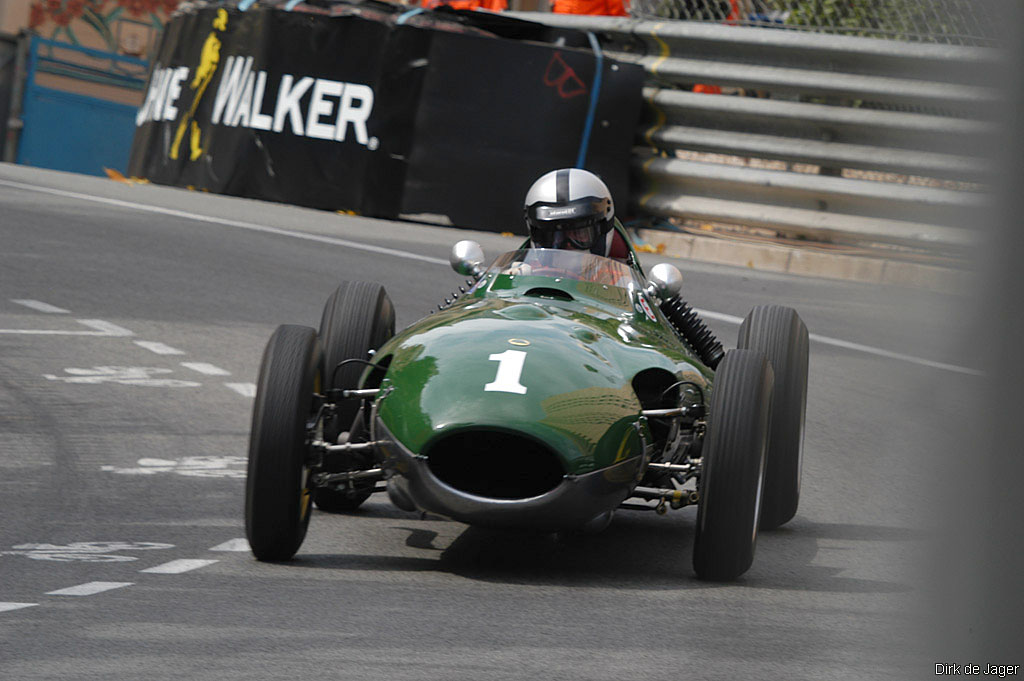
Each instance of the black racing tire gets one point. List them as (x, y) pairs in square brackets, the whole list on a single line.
[(278, 501), (781, 335), (358, 317), (732, 473)]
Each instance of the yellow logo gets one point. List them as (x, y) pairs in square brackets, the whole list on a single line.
[(208, 61)]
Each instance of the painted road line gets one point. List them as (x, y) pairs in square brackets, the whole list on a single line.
[(40, 306), (176, 567), (423, 258), (719, 316), (189, 466), (867, 349), (88, 589), (159, 348), (894, 355), (4, 607), (266, 229), (106, 328), (243, 389), (100, 328), (232, 545), (204, 368), (142, 376)]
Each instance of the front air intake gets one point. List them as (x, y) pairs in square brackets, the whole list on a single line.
[(494, 464)]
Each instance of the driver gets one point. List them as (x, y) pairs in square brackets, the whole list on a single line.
[(572, 209)]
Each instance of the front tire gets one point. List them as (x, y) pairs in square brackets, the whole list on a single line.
[(732, 474), (277, 496), (781, 335)]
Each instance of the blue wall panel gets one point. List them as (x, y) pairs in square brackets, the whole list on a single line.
[(67, 131)]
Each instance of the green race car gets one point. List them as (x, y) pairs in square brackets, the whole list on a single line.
[(560, 387)]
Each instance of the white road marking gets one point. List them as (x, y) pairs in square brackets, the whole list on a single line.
[(424, 258), (189, 466), (4, 607), (40, 306), (894, 355), (84, 551), (176, 567), (106, 328), (100, 328), (229, 223), (243, 389), (89, 588), (141, 376), (719, 316), (867, 349), (159, 348), (232, 545), (204, 368)]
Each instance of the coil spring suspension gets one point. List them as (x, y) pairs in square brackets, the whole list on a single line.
[(693, 330)]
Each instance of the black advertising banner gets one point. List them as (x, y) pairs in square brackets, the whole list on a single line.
[(437, 119), (265, 104), (494, 115)]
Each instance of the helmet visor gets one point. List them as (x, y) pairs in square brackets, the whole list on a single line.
[(579, 238), (576, 225)]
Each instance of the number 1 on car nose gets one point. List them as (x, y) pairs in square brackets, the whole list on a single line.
[(510, 368)]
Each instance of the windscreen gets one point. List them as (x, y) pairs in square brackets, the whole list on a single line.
[(557, 263)]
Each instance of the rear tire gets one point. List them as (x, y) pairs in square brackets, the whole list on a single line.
[(732, 475), (357, 318), (781, 335), (278, 500)]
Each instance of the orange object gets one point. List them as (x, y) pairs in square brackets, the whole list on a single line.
[(491, 5), (612, 8), (707, 89), (115, 175), (734, 12)]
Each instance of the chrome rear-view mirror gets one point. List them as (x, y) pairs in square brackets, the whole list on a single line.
[(664, 281), (467, 258)]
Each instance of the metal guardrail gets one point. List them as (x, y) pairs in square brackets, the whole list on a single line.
[(833, 136), (837, 102)]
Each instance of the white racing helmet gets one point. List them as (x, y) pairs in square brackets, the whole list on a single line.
[(571, 209)]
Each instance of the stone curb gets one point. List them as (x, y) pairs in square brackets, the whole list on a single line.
[(805, 262)]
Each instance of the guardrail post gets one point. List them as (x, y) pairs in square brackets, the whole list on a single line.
[(14, 121)]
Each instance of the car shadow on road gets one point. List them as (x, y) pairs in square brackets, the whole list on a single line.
[(655, 553), (804, 555), (644, 551)]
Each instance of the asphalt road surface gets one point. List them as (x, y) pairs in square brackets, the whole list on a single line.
[(132, 319)]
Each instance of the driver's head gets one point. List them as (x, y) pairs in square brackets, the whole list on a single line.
[(570, 209)]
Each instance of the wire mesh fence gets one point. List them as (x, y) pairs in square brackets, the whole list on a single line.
[(951, 22)]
